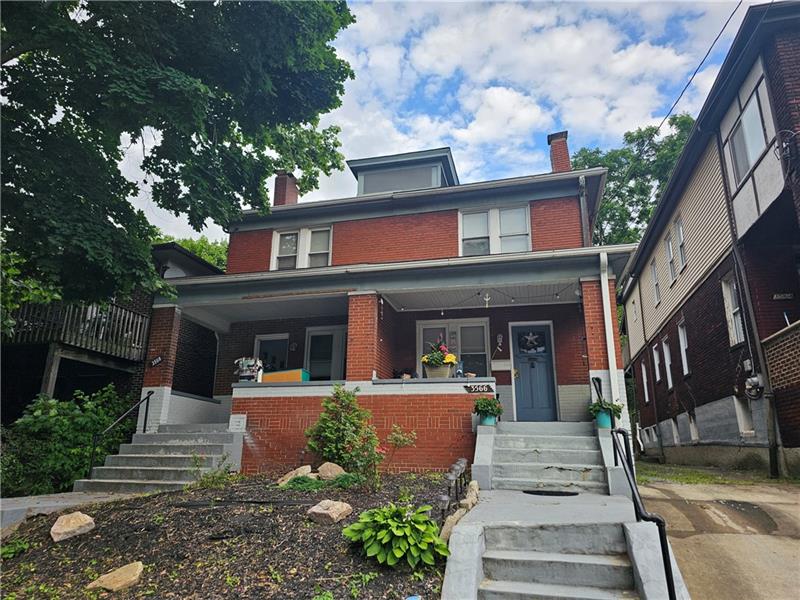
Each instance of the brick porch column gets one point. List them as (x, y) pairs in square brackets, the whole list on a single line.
[(165, 325), (362, 336)]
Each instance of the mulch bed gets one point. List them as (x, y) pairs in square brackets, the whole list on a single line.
[(229, 543)]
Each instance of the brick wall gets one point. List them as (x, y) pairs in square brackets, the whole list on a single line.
[(249, 251), (163, 342), (595, 324), (783, 357), (240, 341), (396, 238), (716, 369), (195, 360), (556, 224), (443, 424), (362, 338)]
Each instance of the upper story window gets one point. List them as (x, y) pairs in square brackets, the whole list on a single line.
[(681, 242), (495, 231), (747, 139), (656, 287), (301, 249), (673, 272), (733, 310)]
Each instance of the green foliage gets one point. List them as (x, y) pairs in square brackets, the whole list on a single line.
[(602, 404), (17, 289), (213, 251), (216, 478), (304, 483), (48, 448), (488, 407), (219, 95), (14, 548), (404, 496), (396, 532), (343, 434), (323, 595), (637, 175), (398, 438)]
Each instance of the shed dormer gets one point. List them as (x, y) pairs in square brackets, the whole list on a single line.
[(401, 172)]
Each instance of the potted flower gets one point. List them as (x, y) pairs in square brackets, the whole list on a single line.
[(488, 409), (601, 410), (439, 361)]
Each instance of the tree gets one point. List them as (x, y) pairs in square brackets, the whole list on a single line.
[(232, 90), (215, 252), (638, 172)]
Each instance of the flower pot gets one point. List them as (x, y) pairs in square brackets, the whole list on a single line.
[(440, 372), (488, 419), (603, 419)]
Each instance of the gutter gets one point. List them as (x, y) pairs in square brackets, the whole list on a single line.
[(609, 327)]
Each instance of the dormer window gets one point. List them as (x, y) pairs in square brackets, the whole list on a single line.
[(495, 231), (301, 249)]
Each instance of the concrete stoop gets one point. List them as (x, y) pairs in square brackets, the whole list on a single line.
[(168, 460)]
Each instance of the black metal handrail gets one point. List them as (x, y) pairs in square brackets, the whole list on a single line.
[(97, 436), (641, 513)]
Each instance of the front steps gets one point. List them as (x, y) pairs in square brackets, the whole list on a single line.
[(556, 561), (557, 457), (168, 460)]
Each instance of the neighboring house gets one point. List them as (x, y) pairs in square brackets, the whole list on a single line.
[(355, 289), (712, 295), (58, 348)]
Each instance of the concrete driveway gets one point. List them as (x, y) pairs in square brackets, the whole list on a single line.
[(732, 541)]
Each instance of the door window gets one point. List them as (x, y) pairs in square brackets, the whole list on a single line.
[(320, 355), (273, 350)]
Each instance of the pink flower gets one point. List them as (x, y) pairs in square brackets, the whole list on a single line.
[(443, 348)]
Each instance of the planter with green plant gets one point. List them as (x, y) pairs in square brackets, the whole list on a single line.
[(601, 410), (439, 362), (488, 409)]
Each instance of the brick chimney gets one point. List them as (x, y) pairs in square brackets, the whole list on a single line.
[(559, 152), (285, 189)]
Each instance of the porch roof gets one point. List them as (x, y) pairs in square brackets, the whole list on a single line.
[(523, 278)]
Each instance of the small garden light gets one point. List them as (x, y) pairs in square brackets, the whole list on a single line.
[(444, 504)]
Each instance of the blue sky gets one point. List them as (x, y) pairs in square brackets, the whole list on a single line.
[(491, 80)]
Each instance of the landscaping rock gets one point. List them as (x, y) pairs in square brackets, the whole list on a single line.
[(329, 470), (450, 522), (473, 487), (329, 511), (119, 579), (313, 476), (67, 526), (304, 470)]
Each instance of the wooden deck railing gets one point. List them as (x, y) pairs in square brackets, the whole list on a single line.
[(109, 329)]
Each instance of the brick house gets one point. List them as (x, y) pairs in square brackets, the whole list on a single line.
[(712, 295), (355, 289)]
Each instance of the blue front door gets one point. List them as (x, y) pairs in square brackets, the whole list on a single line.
[(533, 375)]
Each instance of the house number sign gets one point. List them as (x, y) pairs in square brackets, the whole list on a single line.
[(479, 388), (155, 361)]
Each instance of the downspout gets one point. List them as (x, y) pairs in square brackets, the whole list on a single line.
[(609, 327), (587, 238)]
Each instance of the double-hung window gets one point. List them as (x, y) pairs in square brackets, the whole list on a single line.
[(656, 287), (301, 248), (644, 382), (657, 363), (681, 242), (733, 310), (495, 231), (667, 362), (673, 273), (683, 340), (747, 139)]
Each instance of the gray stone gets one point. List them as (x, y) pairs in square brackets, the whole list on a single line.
[(67, 526), (329, 511), (329, 470), (451, 522), (119, 579), (304, 470)]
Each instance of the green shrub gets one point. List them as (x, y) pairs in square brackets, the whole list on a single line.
[(14, 548), (602, 404), (488, 407), (304, 483), (48, 448), (344, 436), (396, 532)]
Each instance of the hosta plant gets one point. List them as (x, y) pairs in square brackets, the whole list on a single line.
[(395, 533)]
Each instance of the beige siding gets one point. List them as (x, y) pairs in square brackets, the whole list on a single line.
[(633, 322), (708, 238)]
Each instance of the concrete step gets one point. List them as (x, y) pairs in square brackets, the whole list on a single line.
[(183, 438), (127, 487), (520, 590), (162, 460), (147, 473), (547, 455), (546, 428), (594, 538), (173, 449), (551, 485), (591, 570), (558, 442), (194, 428), (542, 471)]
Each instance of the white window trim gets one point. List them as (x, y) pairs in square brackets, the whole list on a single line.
[(656, 362), (727, 297), (457, 324), (493, 219), (683, 342), (681, 233), (303, 246), (673, 271), (667, 361), (656, 286), (270, 336), (645, 382)]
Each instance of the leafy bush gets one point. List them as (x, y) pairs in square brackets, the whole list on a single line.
[(602, 404), (304, 483), (14, 548), (48, 447), (344, 436), (396, 532), (488, 407)]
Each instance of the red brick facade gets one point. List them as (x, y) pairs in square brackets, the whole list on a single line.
[(362, 337), (556, 224), (195, 360), (249, 251), (443, 424), (783, 357), (396, 238), (164, 330), (595, 324)]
